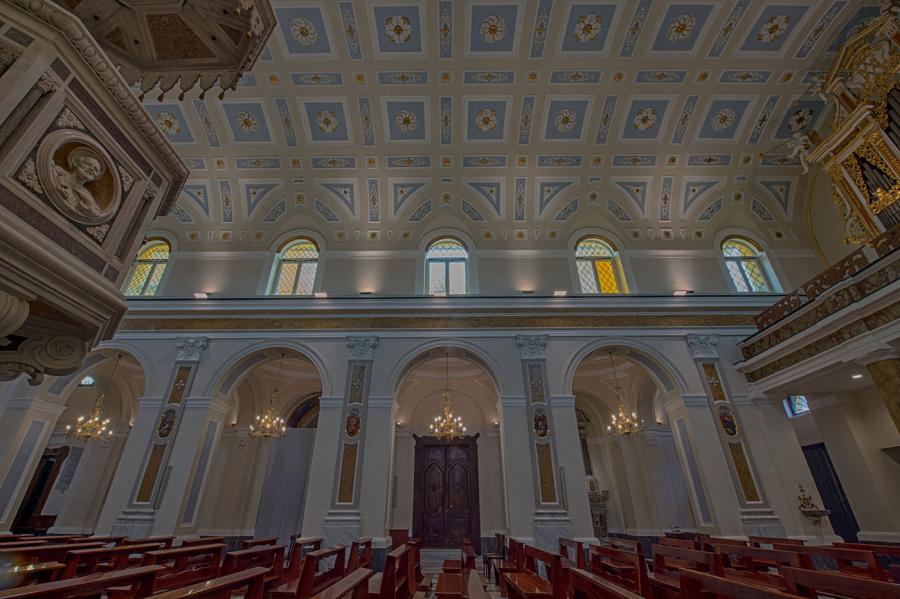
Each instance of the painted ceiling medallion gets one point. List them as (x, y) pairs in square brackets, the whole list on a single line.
[(304, 31), (800, 119), (588, 27), (644, 119), (486, 119), (773, 28), (681, 28), (406, 121), (327, 121), (246, 122), (493, 29), (398, 29), (723, 119), (168, 123), (565, 119)]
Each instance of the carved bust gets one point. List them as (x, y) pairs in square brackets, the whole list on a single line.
[(84, 166)]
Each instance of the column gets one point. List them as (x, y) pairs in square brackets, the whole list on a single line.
[(886, 374), (343, 522), (151, 448), (323, 466), (25, 427), (571, 466), (757, 517), (518, 475), (551, 518)]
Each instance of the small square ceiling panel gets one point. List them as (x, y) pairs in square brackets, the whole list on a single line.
[(565, 119), (644, 119), (406, 119), (723, 119), (681, 27), (398, 28), (486, 119), (247, 121), (801, 116), (772, 29), (587, 27), (171, 121), (304, 30), (326, 121), (492, 28)]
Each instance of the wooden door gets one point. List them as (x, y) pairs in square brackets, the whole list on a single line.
[(28, 518), (445, 503)]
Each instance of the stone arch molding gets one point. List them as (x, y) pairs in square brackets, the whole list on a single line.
[(414, 356), (239, 364), (662, 362)]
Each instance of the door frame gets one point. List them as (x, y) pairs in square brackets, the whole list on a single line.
[(419, 484)]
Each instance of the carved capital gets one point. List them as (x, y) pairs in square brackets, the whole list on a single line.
[(43, 355), (531, 346), (189, 349), (13, 312), (703, 346), (362, 348)]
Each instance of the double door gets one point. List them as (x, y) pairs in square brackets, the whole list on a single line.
[(445, 507)]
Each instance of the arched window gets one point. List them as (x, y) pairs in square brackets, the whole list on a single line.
[(297, 261), (148, 268), (597, 264), (445, 267), (742, 259), (795, 405)]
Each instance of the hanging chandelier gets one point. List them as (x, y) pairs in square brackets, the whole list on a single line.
[(94, 427), (622, 424), (446, 426), (269, 424)]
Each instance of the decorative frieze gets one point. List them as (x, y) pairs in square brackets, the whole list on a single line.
[(704, 346), (190, 349), (362, 348), (531, 346)]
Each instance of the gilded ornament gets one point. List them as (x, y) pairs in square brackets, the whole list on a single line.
[(493, 28), (772, 29)]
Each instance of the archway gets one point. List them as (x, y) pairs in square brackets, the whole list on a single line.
[(73, 476), (636, 483), (443, 491), (258, 486)]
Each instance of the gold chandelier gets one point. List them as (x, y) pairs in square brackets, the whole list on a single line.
[(94, 427), (622, 424), (269, 424), (447, 426)]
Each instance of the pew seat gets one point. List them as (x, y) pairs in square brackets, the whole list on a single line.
[(251, 580), (18, 576), (586, 585), (44, 553), (139, 581), (850, 562), (622, 568), (668, 563), (816, 583), (185, 565), (700, 585), (313, 579), (576, 558), (299, 548), (394, 582), (353, 586), (250, 543), (756, 566), (270, 557), (528, 584)]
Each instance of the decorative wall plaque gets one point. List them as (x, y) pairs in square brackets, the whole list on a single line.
[(541, 424), (727, 420), (352, 427), (166, 423)]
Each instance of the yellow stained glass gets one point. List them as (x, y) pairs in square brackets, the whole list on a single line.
[(735, 248), (755, 275), (286, 278), (301, 250), (155, 252), (606, 276)]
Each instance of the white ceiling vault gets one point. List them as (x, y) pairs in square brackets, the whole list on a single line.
[(519, 121)]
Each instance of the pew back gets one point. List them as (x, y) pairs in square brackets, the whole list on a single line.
[(757, 541), (313, 578), (700, 585), (43, 553), (586, 585), (297, 553), (186, 565), (576, 557), (809, 583), (353, 586), (624, 568), (394, 581), (854, 562), (626, 545), (222, 587), (202, 541), (270, 557), (102, 559), (674, 542), (250, 543), (139, 580)]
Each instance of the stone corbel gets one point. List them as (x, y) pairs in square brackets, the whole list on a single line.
[(532, 347), (13, 313), (190, 349), (703, 346), (43, 355), (362, 348)]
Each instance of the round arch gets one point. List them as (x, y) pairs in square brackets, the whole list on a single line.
[(238, 365), (676, 382), (63, 386), (424, 351)]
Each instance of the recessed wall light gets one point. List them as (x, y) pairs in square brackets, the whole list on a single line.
[(682, 292), (856, 376), (527, 291), (201, 295), (560, 293), (320, 294)]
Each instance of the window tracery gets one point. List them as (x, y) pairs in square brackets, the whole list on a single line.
[(446, 262), (297, 264), (148, 269), (597, 263), (744, 264)]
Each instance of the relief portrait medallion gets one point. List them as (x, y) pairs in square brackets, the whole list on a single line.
[(79, 177)]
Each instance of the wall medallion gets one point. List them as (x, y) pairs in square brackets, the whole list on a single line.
[(166, 423), (79, 177), (726, 418), (352, 427), (541, 424)]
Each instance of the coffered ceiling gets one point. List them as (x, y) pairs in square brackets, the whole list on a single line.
[(372, 122)]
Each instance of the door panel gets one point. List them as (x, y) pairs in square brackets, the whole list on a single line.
[(458, 509)]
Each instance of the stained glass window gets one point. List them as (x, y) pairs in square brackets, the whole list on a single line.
[(296, 272), (742, 260), (445, 267), (87, 381), (148, 269), (595, 260), (796, 405)]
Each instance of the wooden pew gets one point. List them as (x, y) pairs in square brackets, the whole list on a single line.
[(680, 543), (360, 554), (622, 568), (353, 586), (585, 585), (752, 565), (514, 562), (577, 547), (224, 586), (106, 539), (399, 536), (626, 545), (887, 554), (756, 541), (300, 547), (699, 585), (852, 562), (270, 557), (14, 538), (466, 560), (250, 543), (499, 553), (140, 580), (185, 565), (709, 543), (809, 583), (528, 584), (668, 562), (423, 582), (23, 543), (19, 576), (393, 583), (313, 579), (102, 559), (450, 585), (194, 542), (474, 587), (161, 542), (43, 553)]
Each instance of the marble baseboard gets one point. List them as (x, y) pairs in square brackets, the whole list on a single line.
[(341, 528), (134, 523), (549, 527)]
